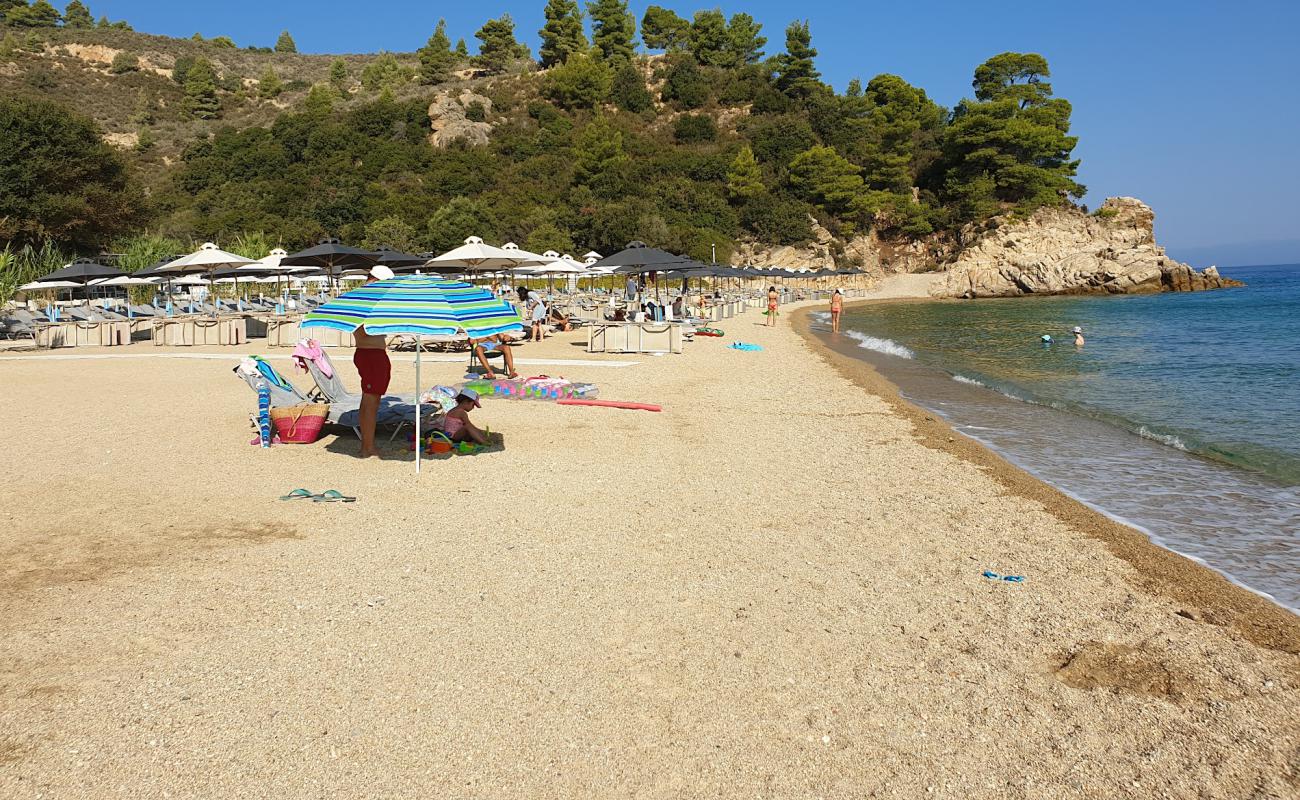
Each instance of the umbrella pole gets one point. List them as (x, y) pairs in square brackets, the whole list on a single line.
[(418, 347)]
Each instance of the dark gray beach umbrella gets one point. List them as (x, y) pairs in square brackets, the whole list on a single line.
[(331, 256), (398, 261), (82, 271), (638, 258)]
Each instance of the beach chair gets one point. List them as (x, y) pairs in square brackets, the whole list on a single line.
[(396, 411)]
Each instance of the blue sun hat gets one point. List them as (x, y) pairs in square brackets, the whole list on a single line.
[(1047, 338)]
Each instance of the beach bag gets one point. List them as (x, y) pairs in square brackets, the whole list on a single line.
[(300, 424)]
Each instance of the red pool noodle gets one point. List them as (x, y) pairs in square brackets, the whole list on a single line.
[(610, 404)]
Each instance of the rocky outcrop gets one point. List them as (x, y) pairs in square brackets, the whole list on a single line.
[(447, 118), (1063, 251)]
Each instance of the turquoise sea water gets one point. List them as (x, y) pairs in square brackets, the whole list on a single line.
[(1181, 414)]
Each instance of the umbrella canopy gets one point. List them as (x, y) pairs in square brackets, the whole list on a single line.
[(207, 258), (476, 256), (418, 304), (123, 280), (332, 256), (638, 258), (531, 259), (81, 272), (38, 286), (398, 261), (190, 280)]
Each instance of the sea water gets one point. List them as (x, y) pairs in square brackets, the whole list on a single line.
[(1180, 415)]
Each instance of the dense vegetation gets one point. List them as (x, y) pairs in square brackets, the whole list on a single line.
[(707, 141)]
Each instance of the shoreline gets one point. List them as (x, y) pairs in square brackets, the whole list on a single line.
[(1213, 597)]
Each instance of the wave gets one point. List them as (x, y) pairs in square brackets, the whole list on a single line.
[(1162, 438), (887, 346), (968, 381)]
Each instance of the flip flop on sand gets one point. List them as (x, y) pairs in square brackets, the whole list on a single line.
[(333, 496), (298, 494), (1008, 578)]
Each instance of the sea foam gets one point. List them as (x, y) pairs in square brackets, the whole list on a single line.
[(964, 379), (1163, 438), (886, 346)]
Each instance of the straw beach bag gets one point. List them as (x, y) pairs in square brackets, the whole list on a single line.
[(300, 424)]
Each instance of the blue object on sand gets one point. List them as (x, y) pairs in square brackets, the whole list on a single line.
[(988, 573), (745, 346)]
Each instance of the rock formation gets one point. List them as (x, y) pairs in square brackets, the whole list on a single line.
[(1062, 251), (447, 118)]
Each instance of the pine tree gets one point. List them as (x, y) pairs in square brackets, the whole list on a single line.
[(598, 151), (628, 90), (826, 178), (124, 61), (285, 43), (662, 29), (744, 42), (201, 90), (269, 84), (613, 29), (462, 51), (797, 74), (436, 58), (562, 34), (76, 15), (103, 22), (38, 15), (320, 100), (497, 45), (580, 82), (708, 38), (339, 76), (744, 178)]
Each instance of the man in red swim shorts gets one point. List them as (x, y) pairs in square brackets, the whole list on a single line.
[(371, 361)]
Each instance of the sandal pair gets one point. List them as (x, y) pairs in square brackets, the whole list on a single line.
[(327, 496)]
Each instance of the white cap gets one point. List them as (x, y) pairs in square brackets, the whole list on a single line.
[(1077, 329), (381, 272), (469, 394)]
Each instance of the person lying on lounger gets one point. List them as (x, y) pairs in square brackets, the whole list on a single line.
[(492, 344), (559, 319), (457, 425)]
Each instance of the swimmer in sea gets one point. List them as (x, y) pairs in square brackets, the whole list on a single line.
[(1078, 336), (1046, 339)]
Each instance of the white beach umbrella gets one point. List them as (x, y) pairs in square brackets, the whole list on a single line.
[(191, 280), (476, 256), (40, 286), (124, 280), (207, 258)]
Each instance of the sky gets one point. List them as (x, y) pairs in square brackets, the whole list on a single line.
[(1192, 106)]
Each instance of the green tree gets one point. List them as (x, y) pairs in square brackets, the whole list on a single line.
[(498, 48), (1012, 148), (393, 232), (76, 15), (598, 151), (549, 236), (38, 15), (285, 43), (744, 177), (457, 219), (662, 29), (708, 38), (685, 83), (385, 72), (339, 76), (613, 29), (562, 34), (59, 181), (462, 51), (628, 90), (580, 82), (745, 41), (269, 85), (224, 42), (124, 61), (826, 178), (201, 90), (320, 100), (692, 128), (796, 70), (181, 68), (903, 126), (436, 58)]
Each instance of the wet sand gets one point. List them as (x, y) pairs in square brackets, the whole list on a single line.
[(771, 589)]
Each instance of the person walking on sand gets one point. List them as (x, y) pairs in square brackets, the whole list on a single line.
[(837, 306), (1078, 336), (773, 299), (371, 361)]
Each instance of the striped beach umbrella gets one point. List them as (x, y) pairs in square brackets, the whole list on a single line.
[(419, 305)]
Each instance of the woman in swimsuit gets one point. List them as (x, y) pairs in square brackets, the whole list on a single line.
[(772, 300), (837, 305)]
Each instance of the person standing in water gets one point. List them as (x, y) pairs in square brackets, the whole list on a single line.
[(1078, 336), (772, 300), (837, 306), (371, 361)]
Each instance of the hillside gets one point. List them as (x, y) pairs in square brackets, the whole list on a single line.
[(706, 145)]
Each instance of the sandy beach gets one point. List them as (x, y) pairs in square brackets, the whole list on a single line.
[(771, 589)]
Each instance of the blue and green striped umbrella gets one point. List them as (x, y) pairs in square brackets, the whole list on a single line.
[(418, 304)]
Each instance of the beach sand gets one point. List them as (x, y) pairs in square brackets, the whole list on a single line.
[(771, 589)]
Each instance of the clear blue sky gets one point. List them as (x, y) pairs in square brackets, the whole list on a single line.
[(1192, 106)]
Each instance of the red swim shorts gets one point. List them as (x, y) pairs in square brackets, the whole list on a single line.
[(373, 365)]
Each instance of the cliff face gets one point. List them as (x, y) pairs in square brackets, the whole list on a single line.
[(1066, 252)]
